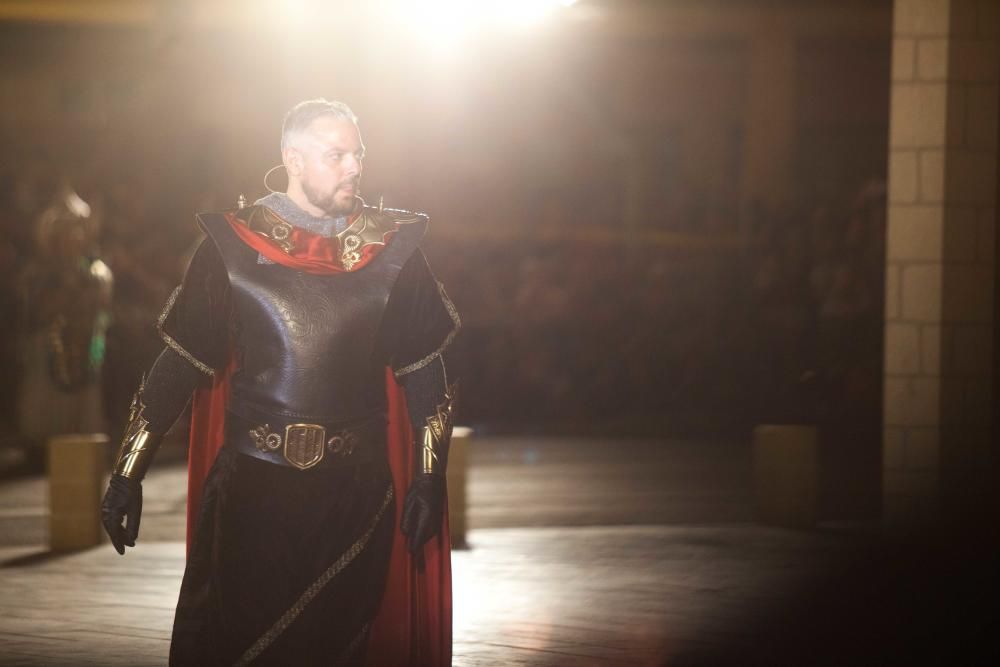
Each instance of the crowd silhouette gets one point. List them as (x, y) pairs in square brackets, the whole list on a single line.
[(561, 332)]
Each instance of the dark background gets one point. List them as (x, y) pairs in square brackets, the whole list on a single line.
[(647, 226)]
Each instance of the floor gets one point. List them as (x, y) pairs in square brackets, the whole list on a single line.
[(582, 552)]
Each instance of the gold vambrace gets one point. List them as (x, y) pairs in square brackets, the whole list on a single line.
[(431, 452), (138, 445), (433, 438)]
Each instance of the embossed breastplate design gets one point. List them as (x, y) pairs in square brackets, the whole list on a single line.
[(307, 343)]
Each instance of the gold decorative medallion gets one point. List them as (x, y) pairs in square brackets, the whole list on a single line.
[(281, 231), (268, 224), (350, 254), (264, 440)]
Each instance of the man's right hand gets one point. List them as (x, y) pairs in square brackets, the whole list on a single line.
[(123, 499)]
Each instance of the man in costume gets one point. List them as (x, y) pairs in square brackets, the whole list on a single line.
[(315, 340)]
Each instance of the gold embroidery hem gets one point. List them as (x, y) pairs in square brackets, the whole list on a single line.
[(352, 648), (315, 587)]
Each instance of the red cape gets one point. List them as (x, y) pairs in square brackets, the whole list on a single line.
[(413, 624)]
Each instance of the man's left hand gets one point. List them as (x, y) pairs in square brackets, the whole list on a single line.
[(423, 510)]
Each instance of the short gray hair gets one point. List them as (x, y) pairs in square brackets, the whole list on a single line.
[(304, 113)]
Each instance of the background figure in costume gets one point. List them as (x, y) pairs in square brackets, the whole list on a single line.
[(283, 329), (64, 312)]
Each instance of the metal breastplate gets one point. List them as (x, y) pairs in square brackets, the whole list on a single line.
[(307, 344)]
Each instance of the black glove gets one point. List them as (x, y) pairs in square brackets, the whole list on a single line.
[(423, 510), (123, 498)]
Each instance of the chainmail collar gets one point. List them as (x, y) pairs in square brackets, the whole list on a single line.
[(282, 204)]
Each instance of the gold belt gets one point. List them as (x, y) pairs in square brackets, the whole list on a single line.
[(303, 445)]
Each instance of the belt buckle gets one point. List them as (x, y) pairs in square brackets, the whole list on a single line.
[(304, 444)]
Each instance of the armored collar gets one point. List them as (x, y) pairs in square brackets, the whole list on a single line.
[(373, 225), (370, 226), (268, 224)]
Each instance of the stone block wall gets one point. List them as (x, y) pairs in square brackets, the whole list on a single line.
[(940, 277)]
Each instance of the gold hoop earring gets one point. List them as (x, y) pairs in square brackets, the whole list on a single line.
[(269, 172)]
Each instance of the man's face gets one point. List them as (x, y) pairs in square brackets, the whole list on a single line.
[(330, 166)]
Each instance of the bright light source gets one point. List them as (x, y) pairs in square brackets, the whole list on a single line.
[(293, 13), (442, 22), (522, 12), (445, 22)]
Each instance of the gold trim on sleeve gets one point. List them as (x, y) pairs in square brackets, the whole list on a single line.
[(173, 344), (456, 325)]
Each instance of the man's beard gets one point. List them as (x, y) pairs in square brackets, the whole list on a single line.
[(327, 203)]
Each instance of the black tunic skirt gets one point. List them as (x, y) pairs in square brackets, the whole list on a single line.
[(287, 566)]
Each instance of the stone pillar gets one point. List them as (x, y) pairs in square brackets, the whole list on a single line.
[(938, 367)]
